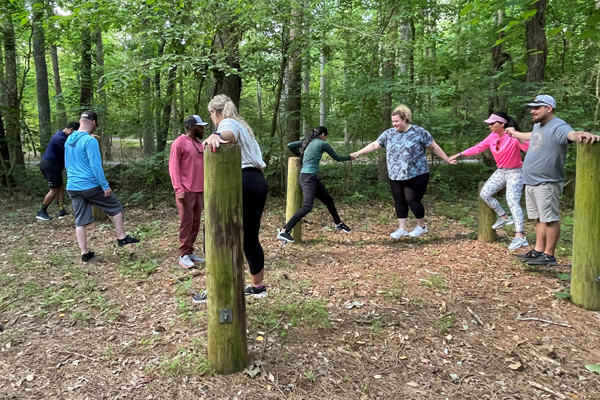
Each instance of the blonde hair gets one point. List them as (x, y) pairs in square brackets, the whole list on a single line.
[(223, 105), (403, 112)]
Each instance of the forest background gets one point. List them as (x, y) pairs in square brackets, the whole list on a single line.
[(144, 65)]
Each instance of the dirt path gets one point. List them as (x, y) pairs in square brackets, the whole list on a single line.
[(355, 316)]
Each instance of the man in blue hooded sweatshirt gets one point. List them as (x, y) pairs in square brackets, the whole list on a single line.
[(87, 185)]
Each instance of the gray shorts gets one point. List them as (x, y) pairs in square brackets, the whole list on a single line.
[(543, 201), (82, 201)]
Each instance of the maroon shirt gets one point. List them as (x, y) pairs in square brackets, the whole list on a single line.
[(186, 165)]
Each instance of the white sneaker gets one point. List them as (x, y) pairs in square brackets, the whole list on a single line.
[(186, 262), (418, 231), (196, 259), (502, 222), (518, 242), (398, 233)]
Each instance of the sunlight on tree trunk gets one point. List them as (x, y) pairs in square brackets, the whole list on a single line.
[(60, 106), (41, 75)]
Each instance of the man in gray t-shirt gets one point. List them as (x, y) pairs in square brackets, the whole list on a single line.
[(544, 174)]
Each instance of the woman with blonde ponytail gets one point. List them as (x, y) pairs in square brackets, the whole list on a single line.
[(232, 128)]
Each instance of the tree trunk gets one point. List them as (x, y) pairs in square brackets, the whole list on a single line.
[(102, 107), (228, 40), (294, 195), (147, 124), (199, 96), (322, 105), (486, 217), (41, 75), (294, 100), (11, 93), (259, 100), (306, 128), (85, 78), (227, 343), (585, 276), (280, 79), (166, 115), (498, 59), (158, 103), (60, 107)]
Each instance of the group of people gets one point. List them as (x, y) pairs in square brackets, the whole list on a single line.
[(541, 173)]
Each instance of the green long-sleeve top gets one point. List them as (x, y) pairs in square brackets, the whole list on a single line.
[(313, 153)]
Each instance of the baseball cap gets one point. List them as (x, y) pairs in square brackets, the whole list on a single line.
[(92, 116), (543, 100), (495, 118), (194, 120)]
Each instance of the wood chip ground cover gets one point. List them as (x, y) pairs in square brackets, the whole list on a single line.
[(355, 316)]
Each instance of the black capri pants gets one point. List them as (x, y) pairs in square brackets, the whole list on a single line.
[(254, 197), (409, 193)]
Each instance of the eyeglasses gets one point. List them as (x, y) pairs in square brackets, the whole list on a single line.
[(498, 145)]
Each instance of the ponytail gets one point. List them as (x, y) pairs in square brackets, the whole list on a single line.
[(318, 131), (512, 123), (224, 106)]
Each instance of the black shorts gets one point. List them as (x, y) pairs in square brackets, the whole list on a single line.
[(82, 201), (52, 174)]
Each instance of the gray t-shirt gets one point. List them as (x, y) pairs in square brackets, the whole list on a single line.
[(405, 152), (545, 159), (251, 155)]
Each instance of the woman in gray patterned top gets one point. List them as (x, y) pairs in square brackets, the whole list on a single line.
[(406, 146)]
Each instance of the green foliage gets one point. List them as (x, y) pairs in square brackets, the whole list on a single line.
[(132, 265), (444, 323)]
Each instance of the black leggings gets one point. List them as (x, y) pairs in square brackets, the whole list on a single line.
[(254, 197), (312, 187), (409, 193)]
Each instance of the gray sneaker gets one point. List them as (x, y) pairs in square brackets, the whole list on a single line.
[(518, 242), (502, 222), (196, 259), (398, 233)]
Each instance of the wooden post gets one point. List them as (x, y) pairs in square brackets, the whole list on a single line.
[(585, 274), (227, 348), (486, 217), (293, 200)]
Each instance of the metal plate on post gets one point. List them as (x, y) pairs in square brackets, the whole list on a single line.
[(226, 316)]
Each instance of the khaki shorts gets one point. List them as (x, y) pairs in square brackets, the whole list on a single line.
[(543, 201)]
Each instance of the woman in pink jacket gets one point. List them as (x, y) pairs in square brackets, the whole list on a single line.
[(507, 153)]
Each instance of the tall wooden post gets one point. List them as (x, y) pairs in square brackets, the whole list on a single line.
[(227, 347), (585, 274), (294, 195), (486, 217)]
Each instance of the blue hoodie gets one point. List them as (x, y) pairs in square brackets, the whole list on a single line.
[(83, 162)]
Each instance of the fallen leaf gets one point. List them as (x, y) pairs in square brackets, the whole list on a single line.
[(593, 368), (29, 377), (377, 376), (260, 338), (516, 366), (271, 377)]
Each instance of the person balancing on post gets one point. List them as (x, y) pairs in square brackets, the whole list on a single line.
[(507, 153), (408, 170), (311, 150), (186, 167), (544, 174), (52, 165), (87, 186), (233, 128)]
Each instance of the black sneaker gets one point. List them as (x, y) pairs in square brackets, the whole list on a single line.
[(342, 227), (283, 235), (544, 259), (258, 292), (87, 257), (529, 255), (127, 240), (199, 298), (43, 216), (62, 214)]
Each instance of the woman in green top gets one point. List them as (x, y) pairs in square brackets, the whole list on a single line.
[(311, 150)]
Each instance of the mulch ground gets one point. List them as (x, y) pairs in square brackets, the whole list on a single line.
[(348, 316)]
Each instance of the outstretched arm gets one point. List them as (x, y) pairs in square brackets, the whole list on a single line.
[(371, 147), (295, 147), (478, 148), (327, 148), (579, 136), (437, 150), (522, 136)]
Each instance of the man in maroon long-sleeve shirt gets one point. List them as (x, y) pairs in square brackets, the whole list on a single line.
[(186, 167)]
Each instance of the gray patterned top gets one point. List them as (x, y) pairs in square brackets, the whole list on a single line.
[(406, 152)]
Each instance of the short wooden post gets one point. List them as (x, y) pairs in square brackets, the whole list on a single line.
[(294, 195), (227, 347), (486, 217), (585, 274)]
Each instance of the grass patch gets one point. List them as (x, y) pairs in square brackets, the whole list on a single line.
[(132, 265), (436, 282), (185, 362), (444, 323), (312, 313)]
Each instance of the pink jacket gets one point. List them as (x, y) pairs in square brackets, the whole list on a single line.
[(186, 165), (506, 150)]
